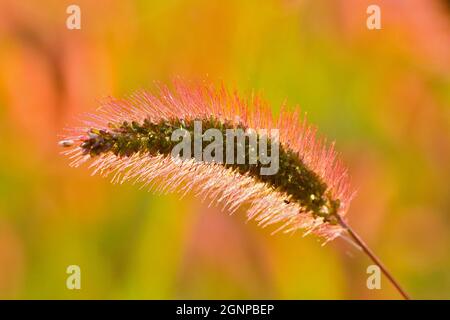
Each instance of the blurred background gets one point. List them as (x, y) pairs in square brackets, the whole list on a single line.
[(383, 95)]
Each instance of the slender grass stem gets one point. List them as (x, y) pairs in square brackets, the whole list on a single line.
[(372, 256)]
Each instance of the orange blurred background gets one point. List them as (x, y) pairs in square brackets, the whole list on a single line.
[(383, 95)]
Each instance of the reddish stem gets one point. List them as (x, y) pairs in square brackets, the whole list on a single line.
[(373, 257)]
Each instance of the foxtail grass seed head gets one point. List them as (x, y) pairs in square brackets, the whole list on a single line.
[(229, 150)]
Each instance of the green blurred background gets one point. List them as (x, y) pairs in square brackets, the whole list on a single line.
[(383, 95)]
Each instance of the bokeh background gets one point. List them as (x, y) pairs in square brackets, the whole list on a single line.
[(383, 95)]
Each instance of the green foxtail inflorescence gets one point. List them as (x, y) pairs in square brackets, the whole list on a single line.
[(131, 139)]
